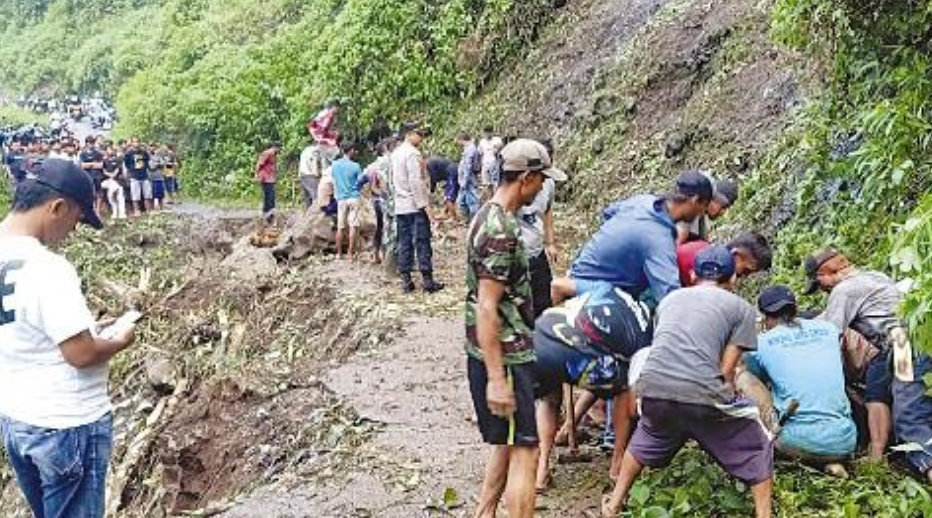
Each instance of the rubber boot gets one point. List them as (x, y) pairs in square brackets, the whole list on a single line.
[(407, 285), (430, 285)]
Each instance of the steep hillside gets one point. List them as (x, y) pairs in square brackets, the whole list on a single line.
[(635, 90), (222, 78), (819, 107)]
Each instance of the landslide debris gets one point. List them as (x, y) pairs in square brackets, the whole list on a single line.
[(221, 392)]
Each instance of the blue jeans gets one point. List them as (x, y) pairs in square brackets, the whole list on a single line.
[(62, 473), (414, 238), (468, 202), (912, 413)]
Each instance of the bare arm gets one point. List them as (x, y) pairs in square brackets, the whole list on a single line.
[(550, 243), (488, 325), (730, 359), (499, 394), (84, 350)]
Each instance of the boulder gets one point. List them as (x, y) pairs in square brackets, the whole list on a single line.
[(312, 232), (160, 374), (249, 263)]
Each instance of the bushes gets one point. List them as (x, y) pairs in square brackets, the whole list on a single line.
[(859, 157), (221, 78)]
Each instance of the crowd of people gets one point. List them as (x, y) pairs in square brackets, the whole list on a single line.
[(647, 319), (645, 323), (129, 177), (395, 188)]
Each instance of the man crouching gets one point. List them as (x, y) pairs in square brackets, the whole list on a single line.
[(687, 386)]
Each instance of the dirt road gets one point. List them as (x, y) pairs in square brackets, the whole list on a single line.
[(427, 444)]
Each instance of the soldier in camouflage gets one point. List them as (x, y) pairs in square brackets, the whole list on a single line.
[(499, 330)]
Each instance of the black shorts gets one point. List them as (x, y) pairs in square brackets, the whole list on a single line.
[(521, 428), (603, 375), (541, 277), (98, 179), (879, 379)]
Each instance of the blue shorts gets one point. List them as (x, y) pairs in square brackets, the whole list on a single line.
[(739, 444), (158, 189)]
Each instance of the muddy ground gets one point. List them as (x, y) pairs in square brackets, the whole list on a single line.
[(410, 393), (312, 389)]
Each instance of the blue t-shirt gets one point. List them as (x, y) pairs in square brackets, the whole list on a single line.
[(346, 175), (634, 249), (805, 363)]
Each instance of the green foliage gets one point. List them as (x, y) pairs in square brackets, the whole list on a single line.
[(6, 196), (221, 78), (16, 116), (912, 259), (693, 487), (859, 156)]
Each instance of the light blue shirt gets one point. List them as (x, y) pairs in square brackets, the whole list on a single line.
[(805, 363), (346, 175), (634, 249)]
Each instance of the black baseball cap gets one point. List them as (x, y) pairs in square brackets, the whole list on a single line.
[(693, 182), (66, 178), (812, 265), (714, 263), (726, 192), (775, 298)]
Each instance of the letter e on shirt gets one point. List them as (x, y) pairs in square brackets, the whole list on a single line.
[(41, 306)]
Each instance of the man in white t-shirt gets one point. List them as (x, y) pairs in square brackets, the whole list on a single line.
[(314, 160), (54, 403)]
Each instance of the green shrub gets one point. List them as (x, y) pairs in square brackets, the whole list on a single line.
[(222, 78), (859, 157)]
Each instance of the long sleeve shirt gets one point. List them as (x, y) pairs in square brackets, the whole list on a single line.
[(634, 249), (468, 167), (409, 180)]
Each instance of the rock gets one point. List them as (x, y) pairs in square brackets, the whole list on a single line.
[(605, 105), (160, 374), (676, 145), (312, 232), (630, 106), (738, 163), (598, 145), (213, 236), (249, 263)]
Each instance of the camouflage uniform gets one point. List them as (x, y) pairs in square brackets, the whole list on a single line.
[(495, 252)]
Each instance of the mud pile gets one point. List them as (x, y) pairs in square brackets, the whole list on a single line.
[(221, 391)]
